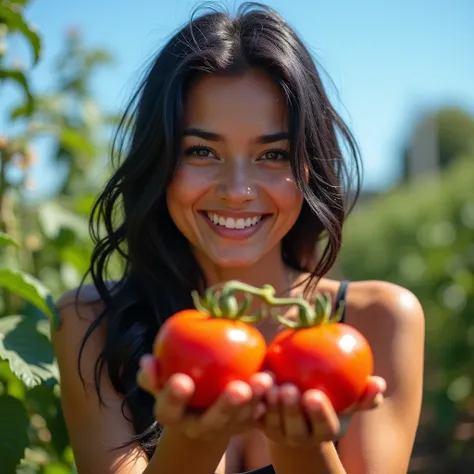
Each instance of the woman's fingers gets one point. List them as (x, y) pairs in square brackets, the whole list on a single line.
[(239, 405), (373, 395), (325, 424), (295, 426), (260, 383), (147, 377), (272, 420), (171, 403), (234, 403)]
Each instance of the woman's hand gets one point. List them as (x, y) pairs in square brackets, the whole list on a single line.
[(309, 419), (237, 409)]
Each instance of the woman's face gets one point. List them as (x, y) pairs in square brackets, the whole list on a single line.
[(234, 196)]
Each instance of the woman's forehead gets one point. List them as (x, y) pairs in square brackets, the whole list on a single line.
[(251, 102)]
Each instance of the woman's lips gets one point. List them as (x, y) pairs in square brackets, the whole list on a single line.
[(237, 226)]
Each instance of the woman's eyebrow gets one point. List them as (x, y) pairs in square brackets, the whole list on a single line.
[(215, 137), (204, 134), (273, 137)]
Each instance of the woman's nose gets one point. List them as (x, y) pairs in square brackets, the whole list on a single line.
[(236, 184)]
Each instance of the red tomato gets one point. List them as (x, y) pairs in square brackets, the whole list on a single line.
[(212, 351), (334, 358)]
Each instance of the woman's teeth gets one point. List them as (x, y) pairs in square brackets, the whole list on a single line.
[(231, 223)]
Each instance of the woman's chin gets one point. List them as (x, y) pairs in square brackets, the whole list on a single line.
[(232, 260)]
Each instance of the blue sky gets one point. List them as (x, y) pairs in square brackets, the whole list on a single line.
[(389, 60)]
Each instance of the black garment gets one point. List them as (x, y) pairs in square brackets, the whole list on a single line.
[(262, 470), (340, 298)]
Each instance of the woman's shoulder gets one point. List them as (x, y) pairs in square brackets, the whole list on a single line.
[(83, 295), (375, 303), (382, 298), (78, 308), (84, 298)]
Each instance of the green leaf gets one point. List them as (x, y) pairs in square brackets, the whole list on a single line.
[(53, 217), (20, 78), (5, 371), (56, 468), (76, 142), (6, 239), (29, 352), (14, 424), (15, 22), (32, 290), (22, 110)]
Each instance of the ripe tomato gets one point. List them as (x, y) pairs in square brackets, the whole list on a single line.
[(334, 358), (212, 351)]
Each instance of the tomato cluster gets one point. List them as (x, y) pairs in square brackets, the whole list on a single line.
[(215, 344)]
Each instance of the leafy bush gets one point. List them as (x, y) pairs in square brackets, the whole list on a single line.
[(421, 236), (44, 244)]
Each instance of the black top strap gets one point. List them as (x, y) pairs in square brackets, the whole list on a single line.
[(262, 470), (341, 297)]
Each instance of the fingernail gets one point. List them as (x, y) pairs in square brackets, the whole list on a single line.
[(378, 399), (290, 398), (313, 401), (235, 398), (145, 361), (313, 406), (271, 376)]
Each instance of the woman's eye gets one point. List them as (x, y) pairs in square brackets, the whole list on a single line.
[(275, 155), (199, 152)]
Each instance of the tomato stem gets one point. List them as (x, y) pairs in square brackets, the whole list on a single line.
[(220, 301)]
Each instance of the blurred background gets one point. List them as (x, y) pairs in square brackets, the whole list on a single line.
[(402, 76)]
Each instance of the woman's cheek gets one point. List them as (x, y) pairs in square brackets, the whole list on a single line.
[(286, 192), (188, 184)]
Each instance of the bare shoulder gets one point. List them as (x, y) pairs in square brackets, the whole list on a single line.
[(85, 300), (84, 295), (392, 319), (380, 292), (379, 304), (78, 308), (382, 295)]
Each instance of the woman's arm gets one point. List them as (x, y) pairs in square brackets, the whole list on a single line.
[(177, 454), (95, 430), (381, 441), (378, 441)]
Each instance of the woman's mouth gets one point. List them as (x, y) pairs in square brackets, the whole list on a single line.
[(233, 223), (238, 226)]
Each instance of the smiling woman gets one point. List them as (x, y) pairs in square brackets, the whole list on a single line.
[(234, 196), (232, 168)]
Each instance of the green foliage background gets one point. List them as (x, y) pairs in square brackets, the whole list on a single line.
[(421, 236)]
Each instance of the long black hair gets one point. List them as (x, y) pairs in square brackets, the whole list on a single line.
[(160, 270)]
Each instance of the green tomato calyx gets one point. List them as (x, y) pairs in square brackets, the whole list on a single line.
[(220, 301)]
